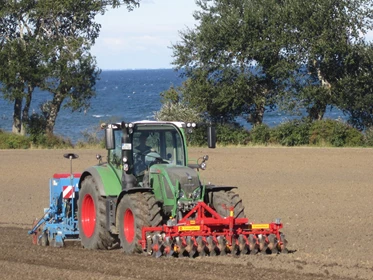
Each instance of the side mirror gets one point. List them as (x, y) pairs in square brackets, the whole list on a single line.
[(109, 139), (211, 136)]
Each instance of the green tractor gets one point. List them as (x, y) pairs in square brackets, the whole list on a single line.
[(143, 197)]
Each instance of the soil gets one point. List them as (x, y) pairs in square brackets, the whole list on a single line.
[(323, 196)]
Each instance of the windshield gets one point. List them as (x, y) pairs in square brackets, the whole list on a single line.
[(161, 144)]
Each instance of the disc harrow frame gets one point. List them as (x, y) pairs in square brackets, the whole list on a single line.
[(202, 231)]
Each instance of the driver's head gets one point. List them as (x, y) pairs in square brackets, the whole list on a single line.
[(143, 137)]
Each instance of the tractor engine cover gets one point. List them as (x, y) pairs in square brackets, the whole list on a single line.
[(187, 178)]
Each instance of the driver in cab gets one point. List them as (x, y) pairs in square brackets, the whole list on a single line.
[(142, 147), (140, 152)]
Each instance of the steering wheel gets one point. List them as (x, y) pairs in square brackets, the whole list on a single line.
[(154, 158)]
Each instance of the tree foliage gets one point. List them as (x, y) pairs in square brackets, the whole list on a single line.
[(234, 65), (354, 91), (320, 47), (245, 57), (175, 109), (46, 44)]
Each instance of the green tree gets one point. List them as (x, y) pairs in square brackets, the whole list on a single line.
[(46, 44), (245, 57), (175, 109), (233, 59), (319, 37), (354, 91)]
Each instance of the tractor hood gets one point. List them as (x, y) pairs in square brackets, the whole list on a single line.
[(185, 176)]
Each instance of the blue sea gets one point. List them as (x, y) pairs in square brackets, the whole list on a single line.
[(121, 95)]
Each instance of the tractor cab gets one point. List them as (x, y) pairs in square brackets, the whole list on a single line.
[(133, 147), (153, 155)]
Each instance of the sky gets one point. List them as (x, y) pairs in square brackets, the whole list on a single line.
[(141, 39)]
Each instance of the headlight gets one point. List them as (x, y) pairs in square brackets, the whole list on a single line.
[(181, 194), (189, 125), (196, 193)]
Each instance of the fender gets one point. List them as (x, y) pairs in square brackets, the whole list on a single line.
[(214, 188), (133, 190), (105, 178)]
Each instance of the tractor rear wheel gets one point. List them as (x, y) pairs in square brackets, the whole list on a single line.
[(92, 218), (221, 201), (135, 211)]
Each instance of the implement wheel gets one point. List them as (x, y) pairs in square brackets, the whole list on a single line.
[(134, 212), (92, 218), (221, 201)]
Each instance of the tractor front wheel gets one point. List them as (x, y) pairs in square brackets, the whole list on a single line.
[(221, 201), (134, 212), (92, 218)]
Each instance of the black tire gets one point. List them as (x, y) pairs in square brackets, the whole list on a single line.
[(92, 217), (133, 213), (221, 201)]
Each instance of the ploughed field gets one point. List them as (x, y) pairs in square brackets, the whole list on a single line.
[(323, 196)]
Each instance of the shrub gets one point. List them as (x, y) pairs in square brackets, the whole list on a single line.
[(51, 141), (334, 133), (232, 134), (291, 133), (368, 137), (92, 138), (13, 141), (226, 134), (36, 127), (260, 134)]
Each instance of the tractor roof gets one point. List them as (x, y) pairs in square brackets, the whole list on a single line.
[(178, 124)]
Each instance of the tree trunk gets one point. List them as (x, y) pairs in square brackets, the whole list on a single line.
[(54, 109), (317, 111), (17, 113), (25, 111), (257, 116)]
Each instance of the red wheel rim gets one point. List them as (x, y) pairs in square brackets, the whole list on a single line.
[(129, 226), (88, 218)]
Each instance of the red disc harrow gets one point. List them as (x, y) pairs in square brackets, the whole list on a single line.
[(204, 232)]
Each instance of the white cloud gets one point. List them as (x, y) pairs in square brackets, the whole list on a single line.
[(128, 39)]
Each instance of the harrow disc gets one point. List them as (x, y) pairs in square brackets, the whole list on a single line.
[(169, 247), (263, 245), (181, 245), (243, 244), (201, 246), (272, 243), (284, 242), (235, 248), (212, 246), (253, 246), (157, 246), (191, 246), (222, 245)]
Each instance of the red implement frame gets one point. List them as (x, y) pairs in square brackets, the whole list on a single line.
[(208, 223)]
